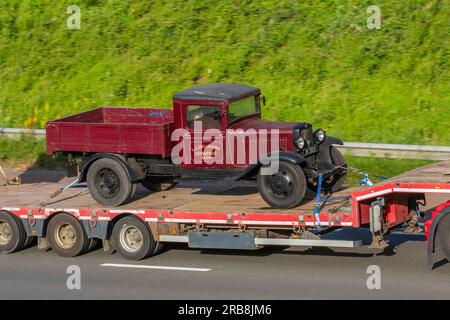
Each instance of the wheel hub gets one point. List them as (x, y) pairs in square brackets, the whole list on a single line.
[(5, 233), (280, 183), (131, 238), (107, 183), (65, 236)]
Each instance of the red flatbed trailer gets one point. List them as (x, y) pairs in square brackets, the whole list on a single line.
[(233, 216)]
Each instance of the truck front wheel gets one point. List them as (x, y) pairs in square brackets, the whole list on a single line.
[(108, 182), (286, 188)]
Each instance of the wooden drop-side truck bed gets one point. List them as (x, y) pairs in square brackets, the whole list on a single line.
[(233, 216)]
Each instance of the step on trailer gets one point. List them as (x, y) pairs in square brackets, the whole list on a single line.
[(225, 216)]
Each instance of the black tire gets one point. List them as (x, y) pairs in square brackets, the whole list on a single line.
[(29, 242), (66, 236), (132, 239), (108, 182), (12, 233), (286, 189), (338, 160), (158, 184), (93, 244), (443, 236)]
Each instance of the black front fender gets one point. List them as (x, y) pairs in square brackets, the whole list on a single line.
[(323, 157), (291, 157), (287, 156)]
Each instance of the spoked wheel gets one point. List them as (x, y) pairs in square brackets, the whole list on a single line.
[(108, 182), (66, 236), (12, 233), (286, 188), (132, 238)]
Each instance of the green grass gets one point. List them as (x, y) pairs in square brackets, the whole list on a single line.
[(383, 167), (315, 61)]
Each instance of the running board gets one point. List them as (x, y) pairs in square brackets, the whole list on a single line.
[(308, 242), (225, 240)]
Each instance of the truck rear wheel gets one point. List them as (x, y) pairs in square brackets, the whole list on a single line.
[(285, 189), (66, 236), (132, 238), (108, 182), (12, 233)]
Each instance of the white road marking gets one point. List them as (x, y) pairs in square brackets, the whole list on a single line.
[(140, 266)]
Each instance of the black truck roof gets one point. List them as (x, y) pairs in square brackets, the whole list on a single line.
[(216, 91)]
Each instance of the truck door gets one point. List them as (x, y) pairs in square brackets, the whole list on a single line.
[(205, 124)]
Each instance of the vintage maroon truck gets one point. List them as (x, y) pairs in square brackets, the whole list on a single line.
[(114, 149)]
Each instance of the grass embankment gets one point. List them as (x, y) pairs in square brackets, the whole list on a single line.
[(316, 61)]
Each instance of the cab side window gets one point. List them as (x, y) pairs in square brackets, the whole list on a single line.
[(209, 116)]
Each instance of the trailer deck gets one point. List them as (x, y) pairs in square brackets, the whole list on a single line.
[(192, 212)]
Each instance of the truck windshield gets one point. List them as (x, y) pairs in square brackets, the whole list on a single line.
[(242, 108)]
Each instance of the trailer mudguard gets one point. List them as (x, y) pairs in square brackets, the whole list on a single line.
[(323, 157), (132, 168), (439, 213)]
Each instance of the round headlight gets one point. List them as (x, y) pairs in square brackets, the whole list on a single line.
[(320, 135), (300, 143)]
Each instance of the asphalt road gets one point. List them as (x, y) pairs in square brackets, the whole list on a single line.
[(270, 273)]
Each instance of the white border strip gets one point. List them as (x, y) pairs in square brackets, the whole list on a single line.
[(402, 190), (140, 266)]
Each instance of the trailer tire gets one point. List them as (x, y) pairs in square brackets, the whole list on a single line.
[(443, 236), (108, 182), (286, 189), (12, 233), (132, 239), (66, 236)]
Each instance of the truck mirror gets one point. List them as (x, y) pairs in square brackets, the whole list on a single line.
[(264, 100)]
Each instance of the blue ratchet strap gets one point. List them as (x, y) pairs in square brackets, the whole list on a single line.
[(58, 192), (365, 180), (318, 201)]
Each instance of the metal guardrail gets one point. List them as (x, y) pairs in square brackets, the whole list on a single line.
[(394, 147), (355, 148), (36, 132)]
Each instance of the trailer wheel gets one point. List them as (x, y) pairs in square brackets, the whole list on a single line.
[(285, 189), (66, 236), (12, 233), (132, 238), (108, 182), (443, 236)]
